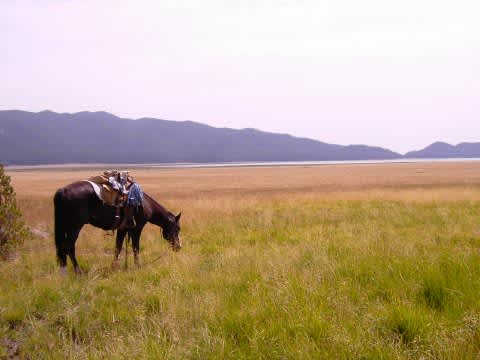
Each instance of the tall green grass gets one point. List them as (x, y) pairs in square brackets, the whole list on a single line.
[(363, 279)]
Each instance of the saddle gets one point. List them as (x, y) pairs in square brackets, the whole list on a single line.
[(117, 188), (109, 195)]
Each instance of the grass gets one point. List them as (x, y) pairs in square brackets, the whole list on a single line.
[(275, 265)]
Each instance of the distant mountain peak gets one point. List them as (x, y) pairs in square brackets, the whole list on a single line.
[(438, 144), (440, 149), (93, 114)]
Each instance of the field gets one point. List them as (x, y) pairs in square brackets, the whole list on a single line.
[(338, 261)]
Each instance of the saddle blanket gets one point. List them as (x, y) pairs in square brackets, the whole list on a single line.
[(106, 194), (96, 188)]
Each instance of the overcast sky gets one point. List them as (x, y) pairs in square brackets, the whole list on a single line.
[(399, 74)]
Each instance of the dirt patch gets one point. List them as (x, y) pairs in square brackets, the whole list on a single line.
[(11, 347), (39, 233)]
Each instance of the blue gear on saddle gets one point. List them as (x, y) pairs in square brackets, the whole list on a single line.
[(135, 195)]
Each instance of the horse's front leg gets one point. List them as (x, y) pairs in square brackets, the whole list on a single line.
[(136, 244), (118, 244), (136, 249)]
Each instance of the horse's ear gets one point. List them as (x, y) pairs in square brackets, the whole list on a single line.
[(177, 218)]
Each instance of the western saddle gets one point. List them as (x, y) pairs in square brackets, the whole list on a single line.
[(114, 186)]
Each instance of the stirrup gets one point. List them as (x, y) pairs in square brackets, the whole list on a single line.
[(130, 225)]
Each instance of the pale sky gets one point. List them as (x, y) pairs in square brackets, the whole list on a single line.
[(398, 74)]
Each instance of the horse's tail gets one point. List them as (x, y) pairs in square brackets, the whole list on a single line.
[(60, 234)]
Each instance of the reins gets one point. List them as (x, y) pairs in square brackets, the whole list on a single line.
[(156, 259), (127, 244)]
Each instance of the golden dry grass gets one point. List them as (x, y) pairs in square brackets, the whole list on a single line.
[(219, 187)]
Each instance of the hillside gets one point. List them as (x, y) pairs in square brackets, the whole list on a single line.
[(99, 137), (47, 137), (444, 150)]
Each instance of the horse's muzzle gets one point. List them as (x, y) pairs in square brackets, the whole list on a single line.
[(177, 245)]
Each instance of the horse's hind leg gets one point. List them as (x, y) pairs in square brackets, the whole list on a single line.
[(71, 239), (62, 250), (62, 260)]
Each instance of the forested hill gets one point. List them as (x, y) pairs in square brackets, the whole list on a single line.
[(99, 137)]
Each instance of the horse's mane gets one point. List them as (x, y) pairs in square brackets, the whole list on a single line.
[(158, 208)]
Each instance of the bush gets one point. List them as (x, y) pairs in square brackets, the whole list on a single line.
[(12, 229)]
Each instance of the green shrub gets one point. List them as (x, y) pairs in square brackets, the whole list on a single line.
[(12, 229), (434, 292), (409, 325)]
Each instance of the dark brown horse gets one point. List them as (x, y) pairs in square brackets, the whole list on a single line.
[(77, 204)]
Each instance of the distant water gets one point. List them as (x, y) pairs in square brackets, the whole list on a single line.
[(233, 164), (301, 163)]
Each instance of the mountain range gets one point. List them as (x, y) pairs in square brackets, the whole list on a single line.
[(48, 137)]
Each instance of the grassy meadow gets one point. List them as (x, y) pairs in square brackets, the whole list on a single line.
[(378, 261)]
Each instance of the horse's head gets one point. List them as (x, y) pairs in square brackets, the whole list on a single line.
[(171, 231)]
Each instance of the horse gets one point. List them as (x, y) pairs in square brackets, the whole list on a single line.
[(77, 204)]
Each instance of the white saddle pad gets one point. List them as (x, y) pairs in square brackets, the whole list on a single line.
[(96, 188)]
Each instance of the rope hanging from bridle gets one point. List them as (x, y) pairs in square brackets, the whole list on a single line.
[(127, 244)]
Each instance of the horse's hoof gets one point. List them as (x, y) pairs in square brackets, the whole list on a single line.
[(63, 271)]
